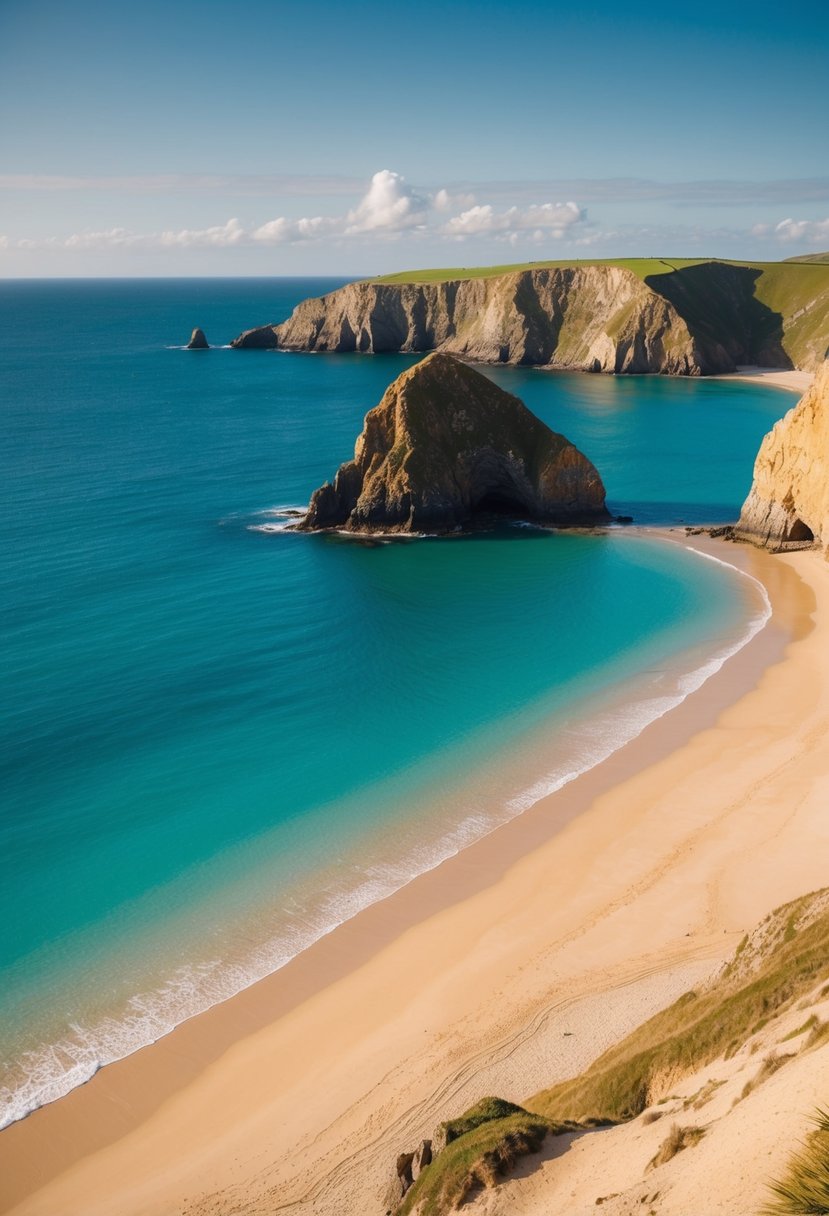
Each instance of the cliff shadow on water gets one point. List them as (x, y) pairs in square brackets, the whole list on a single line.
[(722, 311)]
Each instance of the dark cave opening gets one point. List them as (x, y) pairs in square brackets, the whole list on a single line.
[(800, 533), (500, 502)]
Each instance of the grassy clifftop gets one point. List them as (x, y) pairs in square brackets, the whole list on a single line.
[(640, 266), (756, 308)]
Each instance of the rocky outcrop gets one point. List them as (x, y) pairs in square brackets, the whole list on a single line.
[(445, 445), (198, 340), (789, 500), (592, 318), (406, 1171)]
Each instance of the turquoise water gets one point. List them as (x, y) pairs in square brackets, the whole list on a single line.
[(219, 738)]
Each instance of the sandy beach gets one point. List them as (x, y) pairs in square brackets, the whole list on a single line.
[(794, 381), (510, 966)]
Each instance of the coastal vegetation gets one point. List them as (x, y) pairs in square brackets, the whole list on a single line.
[(677, 1139), (641, 267), (482, 1146), (786, 956), (781, 966), (822, 258), (804, 1188)]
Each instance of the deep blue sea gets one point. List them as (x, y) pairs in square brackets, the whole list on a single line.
[(218, 739)]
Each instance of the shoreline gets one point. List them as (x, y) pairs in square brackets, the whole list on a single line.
[(138, 1096), (792, 381), (530, 766)]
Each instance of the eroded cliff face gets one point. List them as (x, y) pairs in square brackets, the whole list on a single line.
[(588, 318), (446, 445), (789, 499)]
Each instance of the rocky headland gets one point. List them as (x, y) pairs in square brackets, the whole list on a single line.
[(445, 446), (788, 504), (690, 319)]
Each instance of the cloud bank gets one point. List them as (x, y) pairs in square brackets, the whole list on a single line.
[(389, 208)]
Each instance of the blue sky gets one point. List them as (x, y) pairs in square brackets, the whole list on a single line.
[(213, 138)]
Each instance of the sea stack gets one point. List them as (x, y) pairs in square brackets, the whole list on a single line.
[(446, 446), (198, 340), (788, 504)]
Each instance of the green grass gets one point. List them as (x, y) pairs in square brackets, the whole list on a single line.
[(809, 1024), (642, 267), (485, 1111), (811, 257), (700, 1027), (487, 1146), (775, 309), (804, 1188)]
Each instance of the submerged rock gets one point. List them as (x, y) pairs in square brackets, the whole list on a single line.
[(198, 340), (446, 445), (788, 504)]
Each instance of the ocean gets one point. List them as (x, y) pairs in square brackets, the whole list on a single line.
[(218, 738)]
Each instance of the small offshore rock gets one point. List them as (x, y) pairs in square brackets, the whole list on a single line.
[(198, 340)]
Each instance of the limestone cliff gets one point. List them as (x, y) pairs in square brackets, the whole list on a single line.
[(444, 445), (590, 318), (789, 499), (683, 318)]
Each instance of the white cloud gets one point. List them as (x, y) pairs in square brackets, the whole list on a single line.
[(477, 220), (283, 231), (107, 239), (540, 221), (390, 205), (444, 201), (219, 236), (388, 208), (791, 231)]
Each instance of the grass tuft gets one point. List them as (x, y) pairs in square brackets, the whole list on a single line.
[(809, 1024), (804, 1188), (678, 1138), (767, 1069)]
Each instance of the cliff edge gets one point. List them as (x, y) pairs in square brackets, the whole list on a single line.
[(446, 445), (789, 499), (591, 318), (647, 316)]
